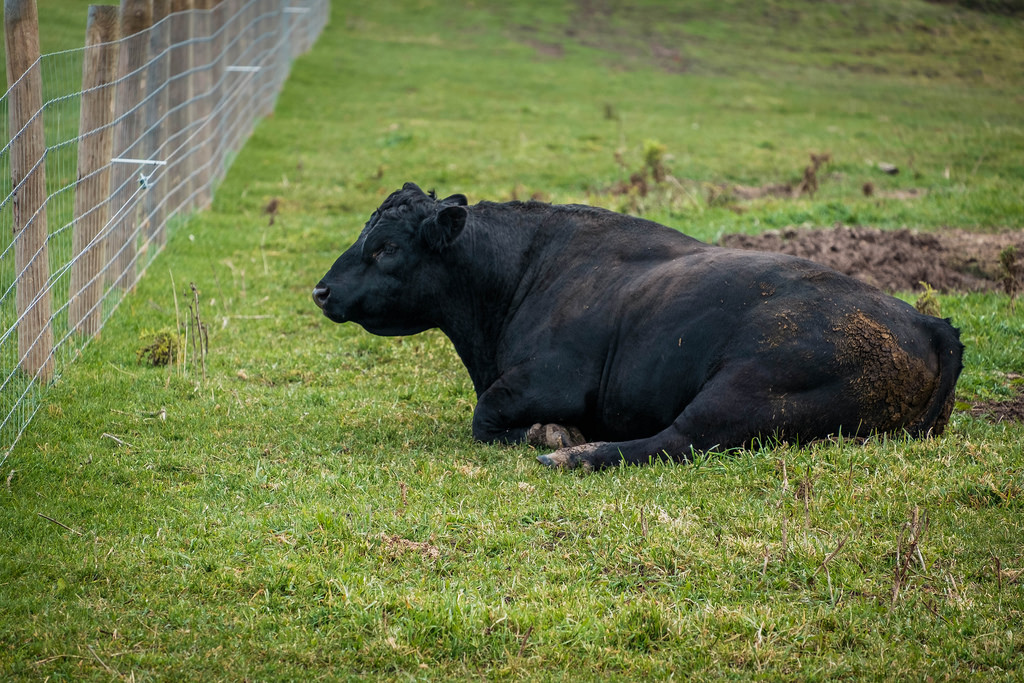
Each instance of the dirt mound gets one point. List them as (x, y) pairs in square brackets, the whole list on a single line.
[(900, 260)]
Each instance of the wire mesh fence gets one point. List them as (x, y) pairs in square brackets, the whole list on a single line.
[(108, 149)]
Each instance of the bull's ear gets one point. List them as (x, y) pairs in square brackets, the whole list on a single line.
[(456, 199), (441, 230)]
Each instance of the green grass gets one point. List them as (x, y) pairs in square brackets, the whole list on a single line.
[(317, 508)]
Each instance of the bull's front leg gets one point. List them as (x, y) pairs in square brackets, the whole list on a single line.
[(505, 414)]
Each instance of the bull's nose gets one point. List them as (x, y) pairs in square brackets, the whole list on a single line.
[(320, 295)]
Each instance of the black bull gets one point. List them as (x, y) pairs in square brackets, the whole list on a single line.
[(614, 339)]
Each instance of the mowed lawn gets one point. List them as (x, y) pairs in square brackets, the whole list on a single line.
[(313, 506)]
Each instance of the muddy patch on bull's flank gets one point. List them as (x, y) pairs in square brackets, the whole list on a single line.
[(885, 372), (784, 330), (898, 260)]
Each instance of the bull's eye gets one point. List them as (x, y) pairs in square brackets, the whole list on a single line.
[(386, 249)]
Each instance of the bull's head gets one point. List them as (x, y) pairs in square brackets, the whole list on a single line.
[(391, 280)]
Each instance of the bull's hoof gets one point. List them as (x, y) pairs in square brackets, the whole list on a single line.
[(575, 457), (554, 436)]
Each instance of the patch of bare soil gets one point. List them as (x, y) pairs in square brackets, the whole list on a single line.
[(807, 186), (999, 411), (546, 49), (632, 36), (900, 260), (396, 545)]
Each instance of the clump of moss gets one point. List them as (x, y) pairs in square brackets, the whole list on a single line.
[(654, 160), (928, 303), (162, 350)]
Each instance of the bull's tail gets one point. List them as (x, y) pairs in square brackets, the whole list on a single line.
[(950, 353)]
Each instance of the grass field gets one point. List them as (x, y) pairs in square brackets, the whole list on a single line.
[(314, 507)]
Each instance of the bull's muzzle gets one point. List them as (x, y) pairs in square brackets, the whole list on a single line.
[(321, 294)]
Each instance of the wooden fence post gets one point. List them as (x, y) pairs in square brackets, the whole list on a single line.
[(283, 53), (241, 76), (266, 56), (205, 94), (179, 97), (300, 27), (99, 68), (155, 199), (28, 182), (220, 120), (122, 247)]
